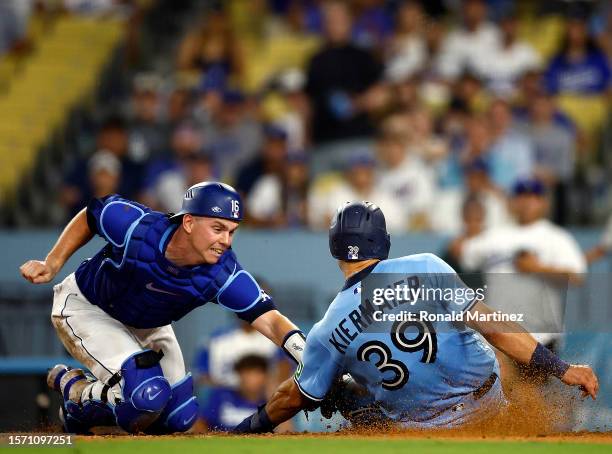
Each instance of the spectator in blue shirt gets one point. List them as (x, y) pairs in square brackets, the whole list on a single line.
[(580, 68)]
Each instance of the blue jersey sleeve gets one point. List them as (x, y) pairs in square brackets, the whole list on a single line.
[(113, 218), (314, 377), (241, 294), (446, 278)]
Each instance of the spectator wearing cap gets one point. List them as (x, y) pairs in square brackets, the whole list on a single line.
[(270, 160), (407, 179), (342, 81), (279, 200), (358, 182), (232, 134), (475, 39), (529, 265), (112, 137)]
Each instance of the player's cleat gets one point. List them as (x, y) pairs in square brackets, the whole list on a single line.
[(78, 416)]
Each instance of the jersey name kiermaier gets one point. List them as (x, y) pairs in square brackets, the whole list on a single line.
[(132, 281), (413, 385)]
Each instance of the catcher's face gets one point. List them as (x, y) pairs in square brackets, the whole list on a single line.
[(211, 237)]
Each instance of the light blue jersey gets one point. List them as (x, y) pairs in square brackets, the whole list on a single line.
[(413, 370)]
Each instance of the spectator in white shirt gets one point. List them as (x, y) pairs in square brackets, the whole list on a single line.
[(463, 47), (446, 213), (358, 183), (410, 183), (540, 257), (279, 199), (407, 52), (502, 69)]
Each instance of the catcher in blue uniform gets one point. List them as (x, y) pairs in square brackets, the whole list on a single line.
[(113, 314), (408, 371)]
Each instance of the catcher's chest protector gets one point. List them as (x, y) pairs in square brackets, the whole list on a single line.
[(144, 289)]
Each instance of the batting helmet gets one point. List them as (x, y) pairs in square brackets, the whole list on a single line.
[(359, 232), (213, 200)]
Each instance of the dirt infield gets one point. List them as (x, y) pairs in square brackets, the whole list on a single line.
[(571, 437)]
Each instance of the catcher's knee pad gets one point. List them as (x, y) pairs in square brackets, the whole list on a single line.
[(181, 412), (145, 391)]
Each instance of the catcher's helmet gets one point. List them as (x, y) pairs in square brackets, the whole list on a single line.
[(213, 200), (359, 232)]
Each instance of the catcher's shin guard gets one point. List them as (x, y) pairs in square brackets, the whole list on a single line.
[(78, 415), (180, 413)]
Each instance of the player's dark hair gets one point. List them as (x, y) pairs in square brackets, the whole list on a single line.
[(249, 362)]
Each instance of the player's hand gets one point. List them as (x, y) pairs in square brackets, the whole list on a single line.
[(583, 376), (38, 271), (342, 396), (526, 262)]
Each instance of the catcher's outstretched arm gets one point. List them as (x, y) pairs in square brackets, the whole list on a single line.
[(512, 339), (76, 234)]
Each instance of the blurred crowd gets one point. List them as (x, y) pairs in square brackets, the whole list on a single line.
[(421, 107), (18, 31)]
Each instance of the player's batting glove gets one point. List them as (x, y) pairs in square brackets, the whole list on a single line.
[(294, 344), (257, 423)]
